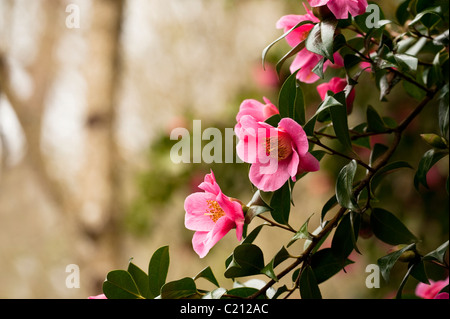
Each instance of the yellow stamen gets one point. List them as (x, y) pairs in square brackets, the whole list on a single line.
[(278, 147), (214, 211)]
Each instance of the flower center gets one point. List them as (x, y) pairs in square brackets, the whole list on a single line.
[(214, 210), (279, 147)]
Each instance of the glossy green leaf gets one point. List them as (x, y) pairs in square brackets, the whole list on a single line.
[(428, 160), (120, 285), (402, 13), (419, 272), (437, 254), (388, 228), (281, 256), (291, 53), (247, 240), (301, 234), (387, 262), (340, 121), (344, 186), (208, 275), (345, 236), (327, 207), (281, 204), (374, 121), (309, 289), (179, 289), (326, 264), (242, 292), (247, 260), (434, 140), (157, 270), (406, 61), (444, 111), (387, 169), (140, 278), (291, 101), (377, 151)]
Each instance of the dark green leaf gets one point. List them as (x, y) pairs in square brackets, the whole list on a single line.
[(179, 289), (281, 204), (325, 264), (253, 211), (247, 260), (247, 240), (140, 278), (402, 284), (309, 289), (274, 120), (387, 262), (434, 140), (243, 292), (281, 256), (345, 236), (406, 61), (157, 270), (344, 186), (291, 53), (430, 158), (444, 111), (340, 121), (437, 254), (208, 275), (374, 121), (328, 205), (301, 234), (120, 285), (418, 272), (378, 150), (402, 14), (389, 228), (327, 30), (290, 100)]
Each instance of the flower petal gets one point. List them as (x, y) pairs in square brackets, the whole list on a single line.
[(297, 134), (196, 206)]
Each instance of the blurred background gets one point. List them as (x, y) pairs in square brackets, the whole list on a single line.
[(89, 93)]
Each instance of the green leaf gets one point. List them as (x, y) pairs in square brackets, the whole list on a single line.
[(320, 38), (424, 17), (406, 61), (281, 204), (157, 270), (247, 240), (344, 186), (326, 264), (290, 100), (437, 254), (253, 211), (402, 14), (377, 151), (266, 50), (345, 236), (328, 205), (179, 289), (140, 278), (120, 285), (301, 234), (387, 262), (208, 275), (243, 292), (418, 272), (247, 260), (444, 110), (309, 289), (402, 284), (340, 121), (291, 53), (374, 121), (428, 160), (281, 256), (388, 228)]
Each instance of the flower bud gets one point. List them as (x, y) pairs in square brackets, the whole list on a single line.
[(406, 256)]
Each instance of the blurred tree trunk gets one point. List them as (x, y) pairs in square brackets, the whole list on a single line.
[(99, 181)]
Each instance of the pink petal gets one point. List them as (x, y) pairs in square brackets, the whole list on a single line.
[(202, 242), (308, 163), (442, 295), (101, 296), (209, 184), (293, 165), (269, 182), (297, 134), (317, 3), (341, 8), (196, 206)]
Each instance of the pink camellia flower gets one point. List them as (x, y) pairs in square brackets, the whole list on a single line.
[(337, 85), (304, 60), (258, 110), (212, 215), (101, 296), (341, 8), (301, 33), (431, 291), (442, 295), (276, 154)]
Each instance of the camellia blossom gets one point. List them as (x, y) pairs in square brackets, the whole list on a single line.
[(337, 85), (259, 111), (212, 215), (101, 296), (304, 60), (431, 291), (341, 8), (276, 154)]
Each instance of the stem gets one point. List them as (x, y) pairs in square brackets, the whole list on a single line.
[(272, 223), (334, 152)]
